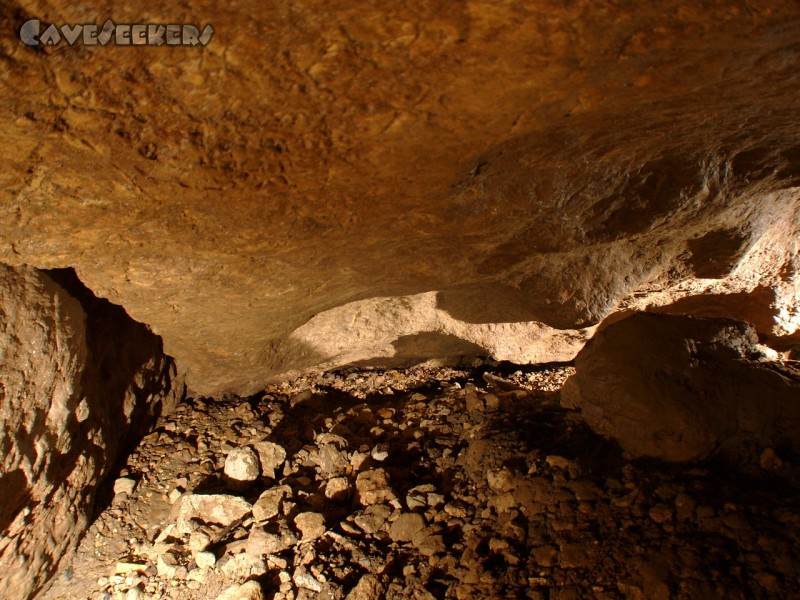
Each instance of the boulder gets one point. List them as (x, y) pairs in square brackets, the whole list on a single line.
[(682, 388)]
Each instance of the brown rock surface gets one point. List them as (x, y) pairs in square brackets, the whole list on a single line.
[(328, 183), (680, 388), (80, 380)]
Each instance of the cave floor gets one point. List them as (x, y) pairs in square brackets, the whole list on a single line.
[(431, 482)]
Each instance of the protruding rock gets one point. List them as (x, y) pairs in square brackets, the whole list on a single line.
[(679, 388), (242, 465)]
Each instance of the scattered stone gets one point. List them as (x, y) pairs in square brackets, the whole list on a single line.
[(250, 590), (660, 513), (303, 579), (271, 456), (244, 565), (380, 452), (221, 509), (205, 559), (484, 508), (406, 526), (260, 543), (373, 518), (427, 542), (372, 487), (167, 565), (368, 588), (123, 568), (269, 502), (311, 525), (338, 489), (242, 465), (769, 460), (124, 485)]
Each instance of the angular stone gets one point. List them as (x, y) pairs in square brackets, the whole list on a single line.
[(373, 518), (205, 559), (331, 460), (244, 565), (427, 542), (338, 489), (242, 465), (269, 502), (406, 526), (250, 590), (310, 524), (221, 509), (303, 579), (260, 542), (271, 456), (372, 487), (368, 587), (124, 485)]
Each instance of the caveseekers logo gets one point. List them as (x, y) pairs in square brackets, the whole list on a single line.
[(35, 33)]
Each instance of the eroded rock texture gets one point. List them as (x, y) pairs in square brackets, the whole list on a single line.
[(682, 388), (79, 380), (469, 172)]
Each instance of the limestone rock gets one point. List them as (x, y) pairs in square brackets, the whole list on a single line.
[(242, 465), (372, 487), (260, 542), (310, 524), (406, 526), (244, 565), (247, 591), (271, 456), (221, 509), (373, 518), (681, 388), (73, 370), (338, 489), (368, 587), (268, 504)]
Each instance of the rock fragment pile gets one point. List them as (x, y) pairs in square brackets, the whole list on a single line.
[(435, 484)]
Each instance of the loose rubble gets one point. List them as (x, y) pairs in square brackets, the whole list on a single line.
[(429, 483)]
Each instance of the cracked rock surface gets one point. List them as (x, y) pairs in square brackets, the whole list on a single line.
[(430, 483)]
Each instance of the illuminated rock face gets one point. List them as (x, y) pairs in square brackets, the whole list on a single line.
[(478, 178), (80, 380), (681, 388)]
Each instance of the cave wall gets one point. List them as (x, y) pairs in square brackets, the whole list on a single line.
[(81, 382), (495, 176)]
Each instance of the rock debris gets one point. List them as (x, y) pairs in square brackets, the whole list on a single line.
[(427, 483)]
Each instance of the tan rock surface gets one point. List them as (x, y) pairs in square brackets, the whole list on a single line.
[(446, 179), (682, 388), (80, 380)]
